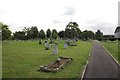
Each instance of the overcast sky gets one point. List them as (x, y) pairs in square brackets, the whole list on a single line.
[(55, 14)]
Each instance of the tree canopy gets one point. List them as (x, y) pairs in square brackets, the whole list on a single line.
[(48, 33), (6, 33), (42, 34), (20, 35), (54, 34), (99, 35), (31, 32), (72, 30)]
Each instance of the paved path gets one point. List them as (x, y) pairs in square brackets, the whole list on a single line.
[(101, 65)]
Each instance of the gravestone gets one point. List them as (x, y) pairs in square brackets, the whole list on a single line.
[(55, 49), (65, 45), (68, 41), (40, 41), (47, 45), (51, 41)]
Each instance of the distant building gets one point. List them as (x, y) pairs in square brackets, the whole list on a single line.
[(117, 32), (108, 37)]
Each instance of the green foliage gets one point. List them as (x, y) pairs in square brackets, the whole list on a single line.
[(99, 35), (20, 35), (31, 33), (61, 34), (72, 30), (67, 33), (54, 34), (42, 34), (48, 33), (87, 35), (6, 33), (34, 31)]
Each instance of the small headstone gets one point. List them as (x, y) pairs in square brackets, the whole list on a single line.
[(55, 49), (47, 45), (40, 41), (65, 45), (68, 41)]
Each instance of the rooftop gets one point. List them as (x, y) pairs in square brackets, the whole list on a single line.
[(117, 29)]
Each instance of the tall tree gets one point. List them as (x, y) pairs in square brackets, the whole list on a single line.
[(91, 34), (6, 33), (61, 34), (54, 34), (72, 30), (42, 34), (67, 33), (32, 32), (48, 33), (99, 35)]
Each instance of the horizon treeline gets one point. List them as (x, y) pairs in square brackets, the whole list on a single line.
[(71, 31)]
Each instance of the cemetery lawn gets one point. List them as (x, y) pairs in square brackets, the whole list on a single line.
[(112, 47), (21, 59)]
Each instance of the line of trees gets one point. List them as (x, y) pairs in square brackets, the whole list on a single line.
[(71, 31)]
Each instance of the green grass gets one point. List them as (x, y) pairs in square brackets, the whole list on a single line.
[(21, 59), (112, 47)]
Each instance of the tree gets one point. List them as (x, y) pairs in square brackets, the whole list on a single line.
[(72, 25), (20, 35), (48, 33), (54, 34), (42, 34), (87, 35), (31, 33), (67, 33), (84, 35), (34, 32), (72, 30), (61, 34), (91, 35), (99, 35), (6, 33)]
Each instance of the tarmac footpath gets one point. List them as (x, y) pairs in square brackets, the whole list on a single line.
[(101, 64)]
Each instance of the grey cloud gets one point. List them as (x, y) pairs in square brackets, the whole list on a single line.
[(69, 11), (57, 21), (106, 28)]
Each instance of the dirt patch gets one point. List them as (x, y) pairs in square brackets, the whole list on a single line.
[(56, 65)]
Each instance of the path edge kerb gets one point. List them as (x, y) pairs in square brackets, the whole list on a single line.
[(116, 61), (86, 65)]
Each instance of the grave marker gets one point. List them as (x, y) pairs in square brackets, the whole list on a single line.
[(55, 49), (47, 45), (65, 45)]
